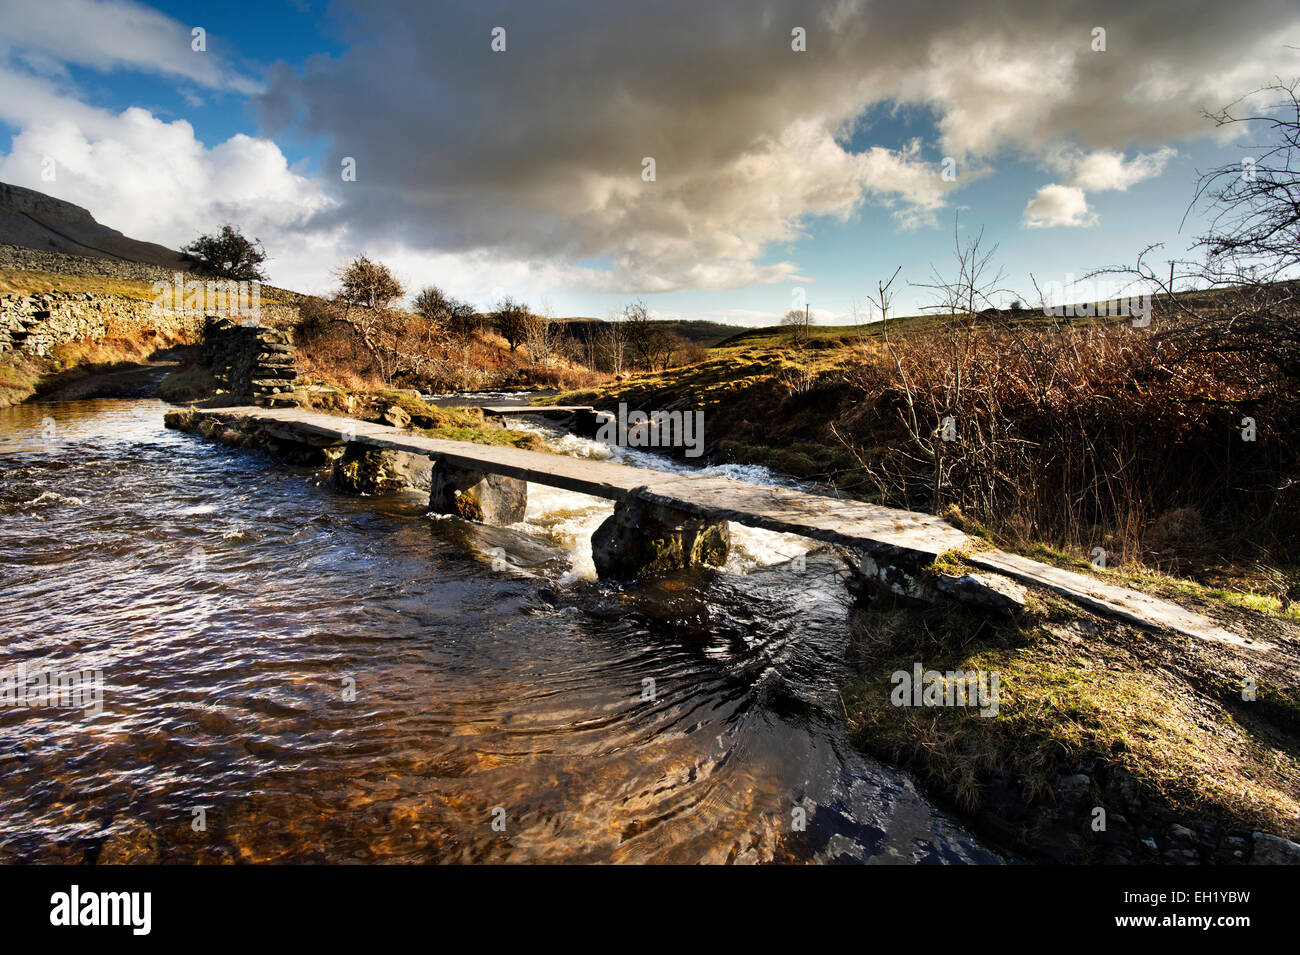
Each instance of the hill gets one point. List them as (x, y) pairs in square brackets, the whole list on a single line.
[(37, 221), (696, 332)]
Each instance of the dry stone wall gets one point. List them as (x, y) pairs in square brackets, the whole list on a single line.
[(38, 323), (39, 260), (277, 307), (253, 364)]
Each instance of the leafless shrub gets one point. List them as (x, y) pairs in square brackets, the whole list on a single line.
[(541, 335), (650, 341), (510, 318), (1084, 434)]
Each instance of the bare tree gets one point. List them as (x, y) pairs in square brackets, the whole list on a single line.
[(799, 323), (432, 305), (1255, 203), (934, 417), (510, 318), (366, 290), (1241, 296), (463, 324), (613, 342), (463, 320), (884, 298), (541, 334), (653, 343), (800, 378), (961, 297), (367, 284)]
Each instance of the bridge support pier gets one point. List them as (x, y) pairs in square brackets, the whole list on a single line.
[(363, 469), (476, 495), (586, 423), (644, 536)]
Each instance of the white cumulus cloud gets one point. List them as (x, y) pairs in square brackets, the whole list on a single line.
[(1109, 170), (1057, 205)]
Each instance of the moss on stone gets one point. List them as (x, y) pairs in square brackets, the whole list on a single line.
[(468, 506)]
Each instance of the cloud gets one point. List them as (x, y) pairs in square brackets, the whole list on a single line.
[(528, 163), (1106, 170), (535, 153), (1100, 171), (155, 180), (114, 34), (1057, 205)]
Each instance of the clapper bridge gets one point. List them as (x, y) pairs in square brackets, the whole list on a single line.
[(666, 520)]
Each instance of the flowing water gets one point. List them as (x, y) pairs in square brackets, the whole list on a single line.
[(294, 675)]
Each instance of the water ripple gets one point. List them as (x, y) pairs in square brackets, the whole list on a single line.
[(327, 679)]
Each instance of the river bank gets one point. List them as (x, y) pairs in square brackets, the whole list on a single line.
[(1110, 744)]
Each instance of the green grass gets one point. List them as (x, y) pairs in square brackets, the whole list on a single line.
[(1064, 703), (450, 424), (1179, 589), (1207, 594)]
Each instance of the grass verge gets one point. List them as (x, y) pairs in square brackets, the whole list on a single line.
[(1076, 691)]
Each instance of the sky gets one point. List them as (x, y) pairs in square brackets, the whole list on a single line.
[(724, 160)]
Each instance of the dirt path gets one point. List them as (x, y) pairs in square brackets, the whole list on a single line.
[(134, 380)]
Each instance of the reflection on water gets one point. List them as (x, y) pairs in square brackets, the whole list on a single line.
[(232, 603)]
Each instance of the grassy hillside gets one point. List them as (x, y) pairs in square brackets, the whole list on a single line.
[(693, 332), (1073, 433)]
